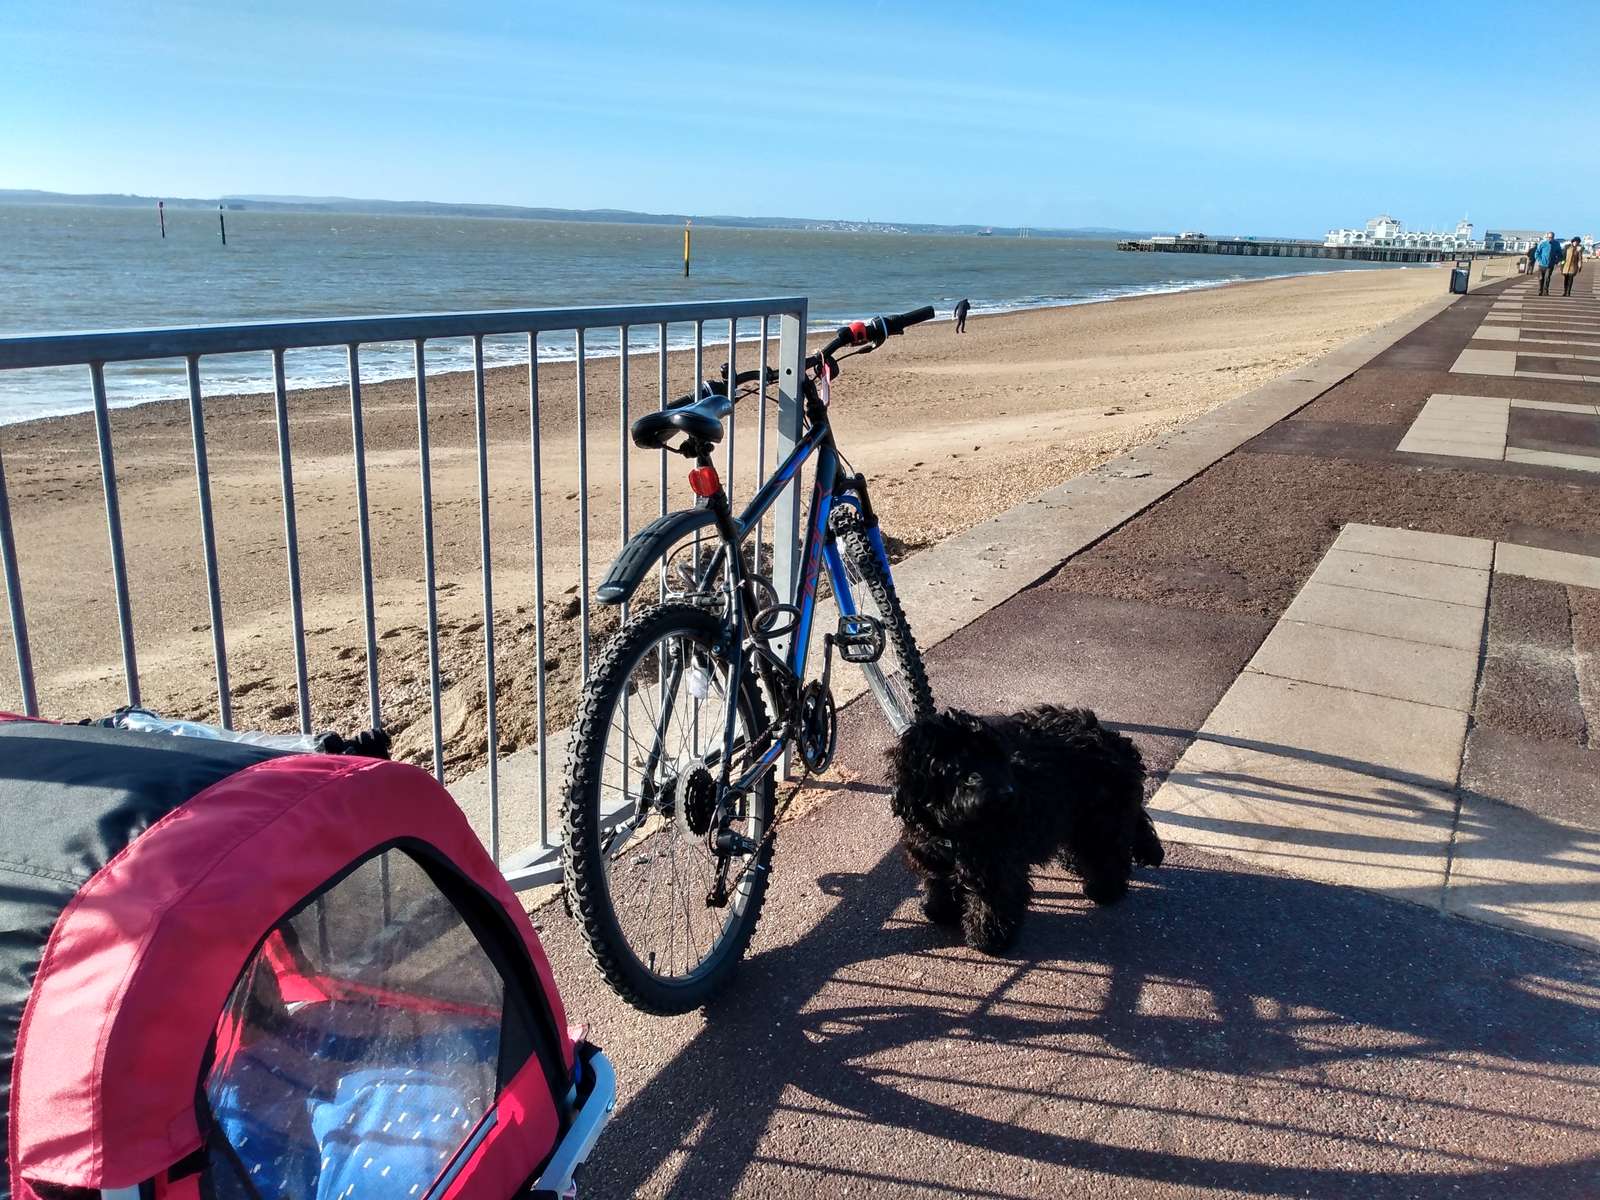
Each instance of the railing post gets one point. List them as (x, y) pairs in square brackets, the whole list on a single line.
[(19, 622), (791, 417)]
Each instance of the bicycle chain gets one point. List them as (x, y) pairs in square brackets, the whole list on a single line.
[(728, 890)]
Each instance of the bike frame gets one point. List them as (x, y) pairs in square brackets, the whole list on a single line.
[(830, 488)]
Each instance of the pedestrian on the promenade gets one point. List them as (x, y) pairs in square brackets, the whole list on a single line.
[(961, 314), (1571, 264), (1547, 254)]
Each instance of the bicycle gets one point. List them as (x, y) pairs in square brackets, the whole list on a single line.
[(668, 816)]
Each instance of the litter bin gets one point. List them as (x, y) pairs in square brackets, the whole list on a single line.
[(1458, 280)]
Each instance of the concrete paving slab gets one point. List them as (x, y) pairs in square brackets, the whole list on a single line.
[(1417, 743), (1459, 626), (1572, 358), (1450, 448), (1576, 570), (1561, 376), (1574, 341), (1401, 577), (1551, 458), (1437, 426), (1445, 414), (1365, 662), (1448, 549), (1486, 362), (1496, 333), (1464, 408), (1446, 421), (1515, 868), (1429, 548), (1309, 819)]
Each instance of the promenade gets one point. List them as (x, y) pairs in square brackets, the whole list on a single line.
[(1353, 620)]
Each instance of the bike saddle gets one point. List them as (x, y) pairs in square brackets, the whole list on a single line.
[(701, 420)]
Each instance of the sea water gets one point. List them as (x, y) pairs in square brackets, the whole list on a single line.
[(65, 268)]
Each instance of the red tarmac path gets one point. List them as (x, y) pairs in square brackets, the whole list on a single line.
[(1228, 1031)]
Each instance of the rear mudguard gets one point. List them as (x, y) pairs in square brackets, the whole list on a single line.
[(645, 549)]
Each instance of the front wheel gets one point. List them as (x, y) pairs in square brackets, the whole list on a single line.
[(898, 680), (641, 814)]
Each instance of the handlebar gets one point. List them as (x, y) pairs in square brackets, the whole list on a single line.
[(905, 320), (871, 334), (867, 335)]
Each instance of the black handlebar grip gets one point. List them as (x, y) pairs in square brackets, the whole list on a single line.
[(904, 320)]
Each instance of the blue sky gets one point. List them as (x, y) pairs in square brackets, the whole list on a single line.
[(1244, 117)]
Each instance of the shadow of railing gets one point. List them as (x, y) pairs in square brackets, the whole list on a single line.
[(1288, 980)]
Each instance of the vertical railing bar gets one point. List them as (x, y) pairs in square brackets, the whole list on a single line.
[(761, 435), (429, 580), (699, 381), (208, 541), (786, 518), (491, 713), (291, 536), (623, 440), (661, 356), (583, 510), (119, 564), (622, 471), (733, 391), (538, 586), (19, 619), (358, 440), (699, 355)]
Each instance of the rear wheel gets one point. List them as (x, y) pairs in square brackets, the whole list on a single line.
[(640, 814), (898, 680)]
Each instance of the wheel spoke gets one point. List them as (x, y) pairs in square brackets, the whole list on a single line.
[(655, 870)]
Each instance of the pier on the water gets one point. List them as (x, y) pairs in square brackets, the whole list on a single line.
[(1285, 248)]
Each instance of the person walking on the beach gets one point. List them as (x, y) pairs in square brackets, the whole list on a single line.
[(961, 314), (1571, 264), (1547, 254)]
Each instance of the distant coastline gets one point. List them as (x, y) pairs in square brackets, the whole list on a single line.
[(513, 212)]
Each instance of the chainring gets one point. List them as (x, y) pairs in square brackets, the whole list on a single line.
[(817, 732)]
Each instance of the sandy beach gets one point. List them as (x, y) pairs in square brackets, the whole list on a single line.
[(950, 429)]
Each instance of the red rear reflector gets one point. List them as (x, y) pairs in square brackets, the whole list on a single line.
[(704, 482)]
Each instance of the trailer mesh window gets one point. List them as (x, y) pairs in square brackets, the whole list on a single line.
[(359, 1048)]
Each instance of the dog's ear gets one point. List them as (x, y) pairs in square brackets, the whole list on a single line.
[(917, 766), (985, 790)]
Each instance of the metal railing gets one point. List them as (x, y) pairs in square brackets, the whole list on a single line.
[(749, 319)]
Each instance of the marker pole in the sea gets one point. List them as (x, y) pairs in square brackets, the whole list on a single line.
[(161, 215), (686, 225), (222, 224)]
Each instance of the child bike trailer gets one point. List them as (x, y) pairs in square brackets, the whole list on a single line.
[(231, 972)]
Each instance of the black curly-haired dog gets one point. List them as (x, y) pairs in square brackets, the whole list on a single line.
[(983, 799)]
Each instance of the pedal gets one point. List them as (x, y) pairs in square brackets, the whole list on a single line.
[(860, 639)]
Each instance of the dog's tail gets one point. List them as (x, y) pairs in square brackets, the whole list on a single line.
[(1147, 848)]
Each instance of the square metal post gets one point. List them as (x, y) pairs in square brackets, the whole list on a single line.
[(791, 419), (786, 550)]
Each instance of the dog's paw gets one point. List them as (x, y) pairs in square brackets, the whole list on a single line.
[(991, 940), (1105, 891), (942, 906), (988, 932), (1147, 848)]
